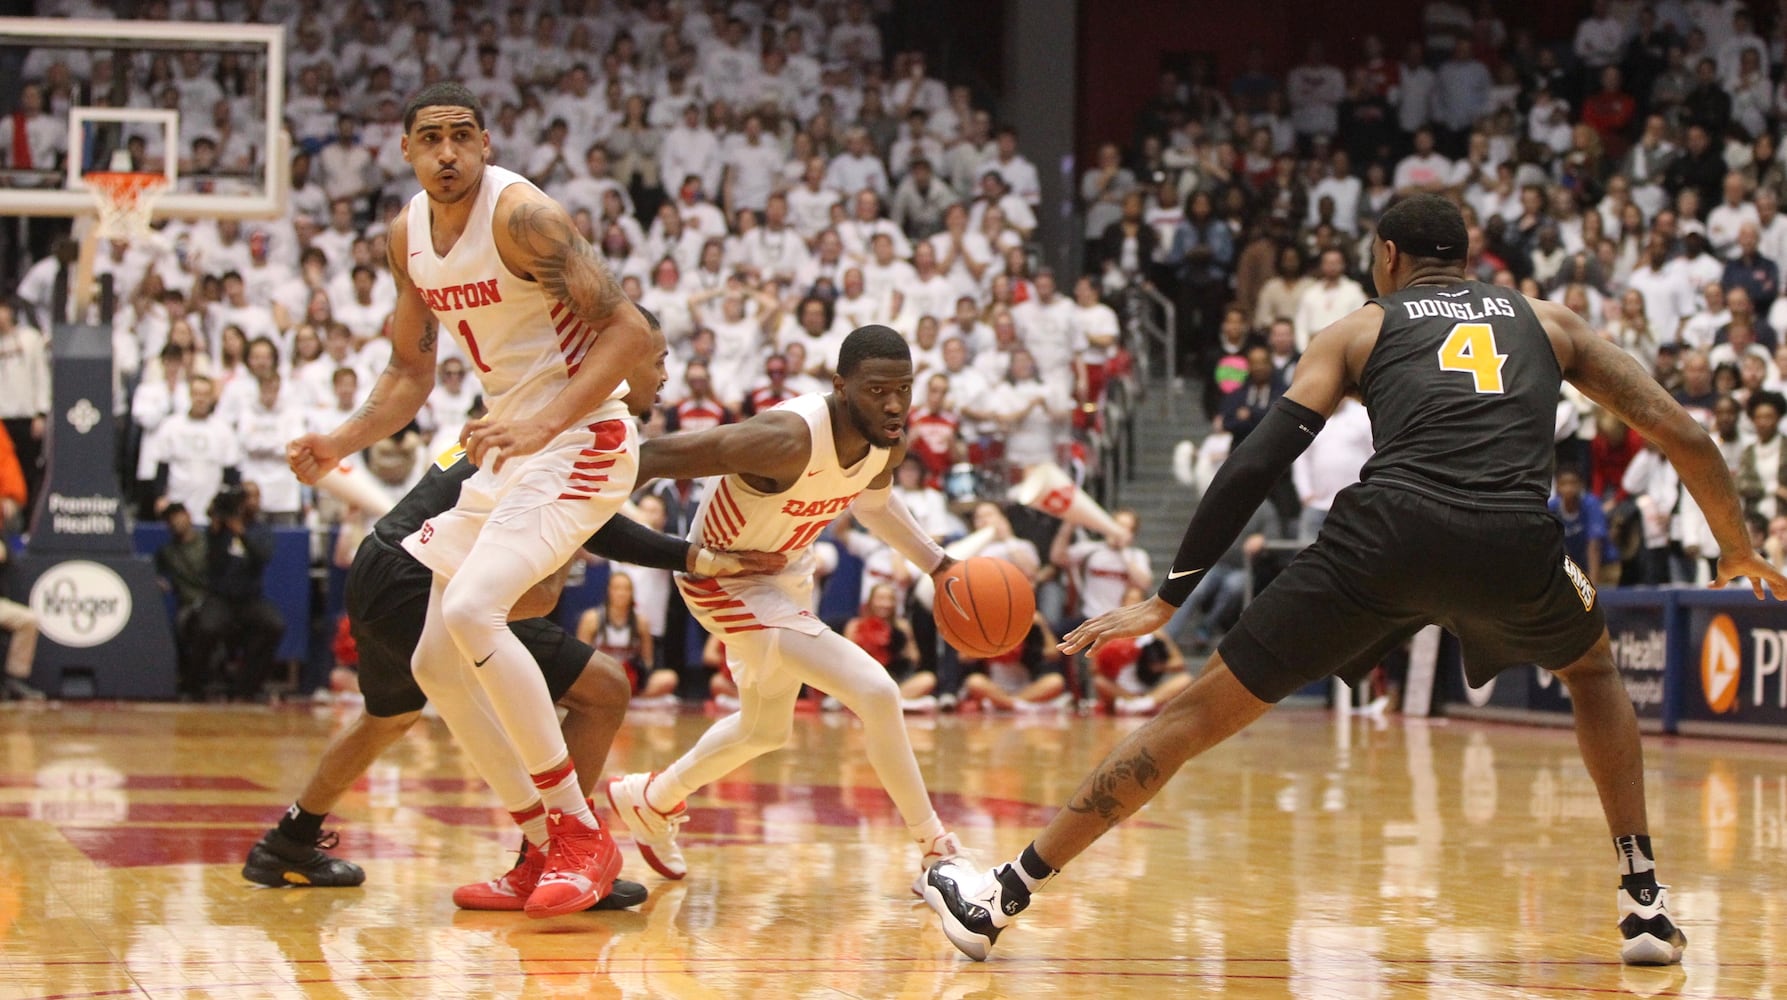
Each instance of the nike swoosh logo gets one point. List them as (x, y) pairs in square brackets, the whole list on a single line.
[(485, 659), (815, 472), (949, 591), (1181, 573), (1442, 246), (415, 253)]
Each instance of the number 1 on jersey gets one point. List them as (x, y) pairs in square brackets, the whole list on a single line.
[(471, 345), (1470, 348)]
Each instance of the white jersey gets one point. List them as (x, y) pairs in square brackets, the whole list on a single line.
[(735, 517), (524, 344)]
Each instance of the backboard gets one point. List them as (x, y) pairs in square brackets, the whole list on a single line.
[(123, 98)]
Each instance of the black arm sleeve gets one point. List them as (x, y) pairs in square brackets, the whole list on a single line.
[(623, 539), (1238, 489)]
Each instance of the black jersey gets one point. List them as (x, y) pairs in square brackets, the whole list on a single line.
[(1462, 388), (436, 493)]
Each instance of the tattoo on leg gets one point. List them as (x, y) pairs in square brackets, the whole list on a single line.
[(1101, 789)]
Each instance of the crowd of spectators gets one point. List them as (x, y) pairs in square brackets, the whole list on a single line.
[(1628, 171), (766, 177), (763, 177)]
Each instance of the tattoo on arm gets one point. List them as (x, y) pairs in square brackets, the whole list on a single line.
[(564, 263), (1099, 794), (430, 330)]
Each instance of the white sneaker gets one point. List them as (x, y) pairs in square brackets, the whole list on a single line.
[(1139, 705), (944, 847), (924, 704), (831, 704), (654, 833), (1059, 703), (726, 702), (1650, 937)]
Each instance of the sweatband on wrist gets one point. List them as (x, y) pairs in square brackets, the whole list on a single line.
[(1239, 487)]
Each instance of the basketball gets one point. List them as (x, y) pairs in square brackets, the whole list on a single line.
[(984, 606)]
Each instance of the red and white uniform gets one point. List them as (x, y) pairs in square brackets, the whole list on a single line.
[(697, 415), (735, 517), (934, 434), (525, 346)]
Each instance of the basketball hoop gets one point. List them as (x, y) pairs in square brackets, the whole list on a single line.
[(125, 199)]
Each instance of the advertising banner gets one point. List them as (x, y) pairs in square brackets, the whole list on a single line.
[(1638, 629), (1734, 669)]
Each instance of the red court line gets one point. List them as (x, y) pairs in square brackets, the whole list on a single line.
[(945, 965)]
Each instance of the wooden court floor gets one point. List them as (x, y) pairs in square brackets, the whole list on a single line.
[(1306, 859)]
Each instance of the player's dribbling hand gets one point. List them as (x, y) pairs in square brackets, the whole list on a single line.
[(1764, 579), (503, 440), (1128, 621), (311, 457)]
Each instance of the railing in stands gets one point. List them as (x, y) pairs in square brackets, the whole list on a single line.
[(1151, 320)]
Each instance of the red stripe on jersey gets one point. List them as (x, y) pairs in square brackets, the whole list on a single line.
[(600, 464), (610, 435), (731, 506), (720, 515), (575, 496), (744, 628), (718, 605), (557, 307), (574, 341), (584, 477), (745, 617), (566, 322)]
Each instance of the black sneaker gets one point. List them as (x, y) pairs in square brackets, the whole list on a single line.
[(1648, 936), (623, 896), (278, 860), (974, 905)]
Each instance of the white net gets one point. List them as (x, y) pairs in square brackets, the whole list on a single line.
[(126, 201)]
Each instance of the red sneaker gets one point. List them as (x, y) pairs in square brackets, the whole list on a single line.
[(581, 863), (508, 891)]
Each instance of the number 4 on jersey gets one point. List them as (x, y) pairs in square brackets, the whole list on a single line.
[(1470, 348)]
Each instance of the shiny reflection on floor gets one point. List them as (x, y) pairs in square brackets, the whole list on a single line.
[(1306, 858)]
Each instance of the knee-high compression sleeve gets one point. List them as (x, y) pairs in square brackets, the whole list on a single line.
[(1237, 490), (885, 514)]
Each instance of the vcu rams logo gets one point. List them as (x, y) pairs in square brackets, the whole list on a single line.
[(1721, 664), (1578, 579)]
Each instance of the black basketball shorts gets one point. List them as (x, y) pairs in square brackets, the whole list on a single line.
[(1390, 561), (387, 603)]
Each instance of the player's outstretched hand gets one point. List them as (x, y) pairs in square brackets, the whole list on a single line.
[(311, 457), (1764, 578), (498, 441), (711, 562), (1130, 620)]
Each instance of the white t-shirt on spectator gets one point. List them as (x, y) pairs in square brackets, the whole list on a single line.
[(1102, 573), (263, 434), (1415, 170), (1723, 222), (1668, 297), (196, 453)]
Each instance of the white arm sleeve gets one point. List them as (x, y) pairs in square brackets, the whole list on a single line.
[(886, 515)]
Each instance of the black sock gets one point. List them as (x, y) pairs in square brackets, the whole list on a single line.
[(1035, 867), (303, 827), (1637, 866)]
